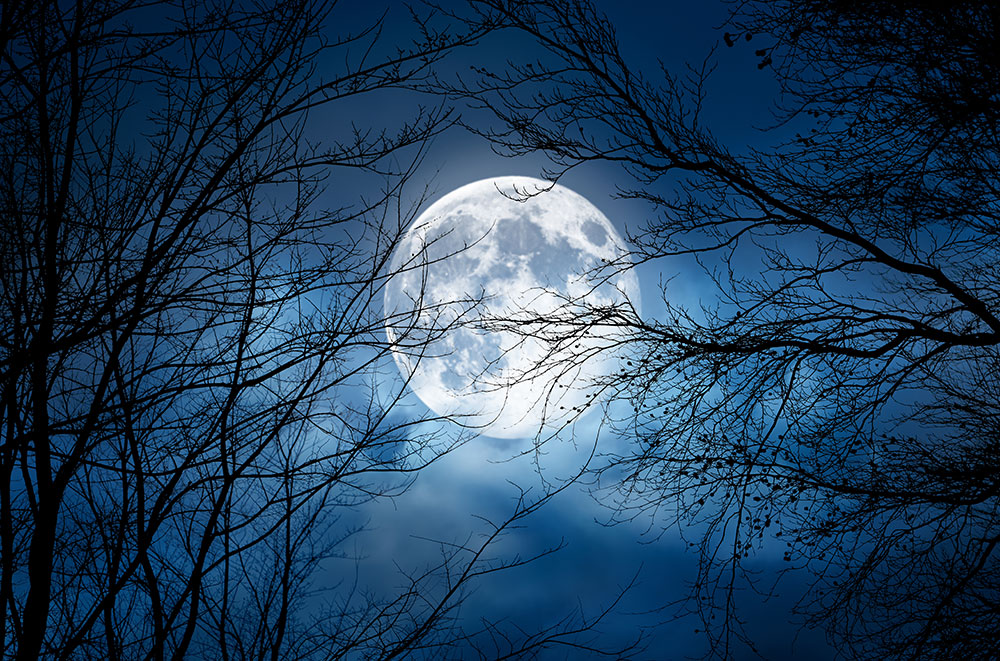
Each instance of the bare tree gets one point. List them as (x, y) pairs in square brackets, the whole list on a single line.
[(190, 334), (838, 396)]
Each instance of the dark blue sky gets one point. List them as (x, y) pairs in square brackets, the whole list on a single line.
[(203, 198), (446, 500)]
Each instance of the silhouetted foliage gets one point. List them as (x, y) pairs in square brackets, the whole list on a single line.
[(191, 336), (836, 394)]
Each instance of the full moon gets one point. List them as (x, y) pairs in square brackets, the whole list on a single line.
[(490, 305)]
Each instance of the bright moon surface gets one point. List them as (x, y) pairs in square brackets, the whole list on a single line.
[(477, 257)]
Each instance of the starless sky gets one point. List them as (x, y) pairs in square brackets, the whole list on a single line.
[(447, 498)]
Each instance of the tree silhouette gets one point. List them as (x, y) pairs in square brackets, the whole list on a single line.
[(191, 335), (836, 395)]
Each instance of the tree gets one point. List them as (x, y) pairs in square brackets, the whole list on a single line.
[(839, 396), (190, 335)]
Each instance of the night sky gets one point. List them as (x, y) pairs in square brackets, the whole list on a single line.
[(207, 442), (598, 559)]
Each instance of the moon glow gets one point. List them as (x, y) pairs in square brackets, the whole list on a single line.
[(471, 279)]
